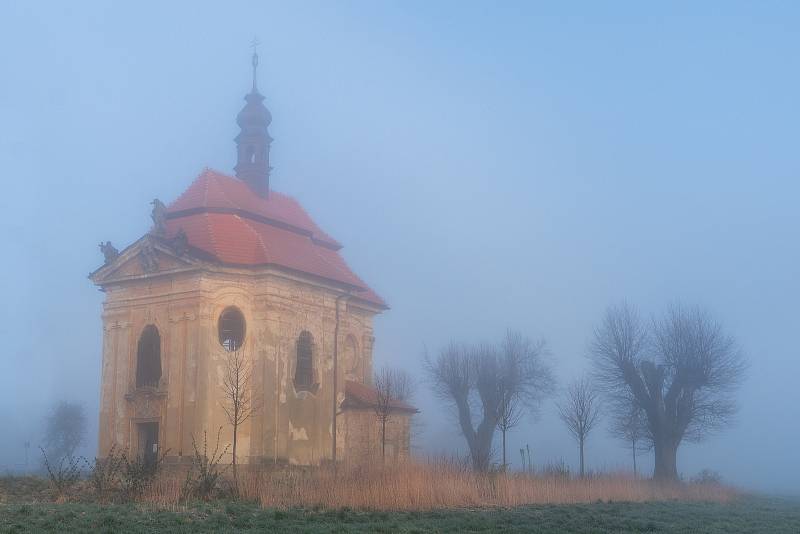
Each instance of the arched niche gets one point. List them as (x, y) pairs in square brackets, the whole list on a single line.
[(148, 358), (304, 362)]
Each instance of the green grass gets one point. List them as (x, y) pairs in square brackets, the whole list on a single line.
[(24, 489), (753, 514)]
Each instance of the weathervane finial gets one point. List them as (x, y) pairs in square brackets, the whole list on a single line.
[(254, 45)]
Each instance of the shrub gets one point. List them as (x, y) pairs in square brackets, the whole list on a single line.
[(137, 474), (205, 472), (64, 475), (707, 476), (105, 474)]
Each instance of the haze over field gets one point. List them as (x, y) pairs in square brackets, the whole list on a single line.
[(485, 166)]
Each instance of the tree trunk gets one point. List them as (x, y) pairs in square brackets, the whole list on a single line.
[(665, 461), (479, 452), (530, 464), (483, 446), (480, 460), (383, 440), (581, 447), (234, 453), (633, 451), (504, 450)]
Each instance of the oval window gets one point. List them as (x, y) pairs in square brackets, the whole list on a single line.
[(231, 329)]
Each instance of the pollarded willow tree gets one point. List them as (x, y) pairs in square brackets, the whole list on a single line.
[(498, 380), (681, 370)]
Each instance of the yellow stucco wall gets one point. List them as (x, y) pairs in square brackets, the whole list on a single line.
[(185, 306)]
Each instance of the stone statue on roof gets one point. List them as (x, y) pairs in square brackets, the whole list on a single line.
[(110, 252), (180, 243), (159, 215)]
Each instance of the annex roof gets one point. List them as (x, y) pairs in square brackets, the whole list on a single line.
[(363, 396)]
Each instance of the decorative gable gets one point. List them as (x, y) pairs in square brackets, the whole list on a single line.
[(149, 256)]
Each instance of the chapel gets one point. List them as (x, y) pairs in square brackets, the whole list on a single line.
[(232, 267)]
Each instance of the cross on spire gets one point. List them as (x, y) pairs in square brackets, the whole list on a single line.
[(254, 45), (252, 143)]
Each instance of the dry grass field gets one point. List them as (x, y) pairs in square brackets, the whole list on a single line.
[(437, 486), (437, 497)]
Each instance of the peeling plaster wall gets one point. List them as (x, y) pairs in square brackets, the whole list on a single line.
[(172, 305), (362, 432)]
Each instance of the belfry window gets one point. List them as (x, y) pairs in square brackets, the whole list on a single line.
[(304, 366), (231, 329), (148, 358)]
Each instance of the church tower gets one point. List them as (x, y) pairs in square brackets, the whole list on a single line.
[(253, 141)]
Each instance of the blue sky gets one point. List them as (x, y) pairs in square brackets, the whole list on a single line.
[(486, 165)]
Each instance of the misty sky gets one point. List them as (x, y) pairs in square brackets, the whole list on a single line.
[(486, 165)]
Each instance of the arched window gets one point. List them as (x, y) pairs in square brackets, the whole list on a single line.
[(148, 358), (304, 368), (231, 329)]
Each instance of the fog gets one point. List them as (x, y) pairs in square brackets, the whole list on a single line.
[(486, 166)]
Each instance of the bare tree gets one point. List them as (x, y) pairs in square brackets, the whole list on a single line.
[(65, 430), (510, 416), (494, 378), (238, 401), (682, 372), (580, 411), (527, 380), (631, 428), (452, 377), (393, 388)]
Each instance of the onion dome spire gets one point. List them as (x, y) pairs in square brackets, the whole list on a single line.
[(253, 141)]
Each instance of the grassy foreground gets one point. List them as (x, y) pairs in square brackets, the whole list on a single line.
[(750, 514)]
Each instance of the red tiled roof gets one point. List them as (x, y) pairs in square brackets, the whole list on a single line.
[(363, 395), (216, 191), (222, 217)]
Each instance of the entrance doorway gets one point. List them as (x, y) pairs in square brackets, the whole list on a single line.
[(148, 442)]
